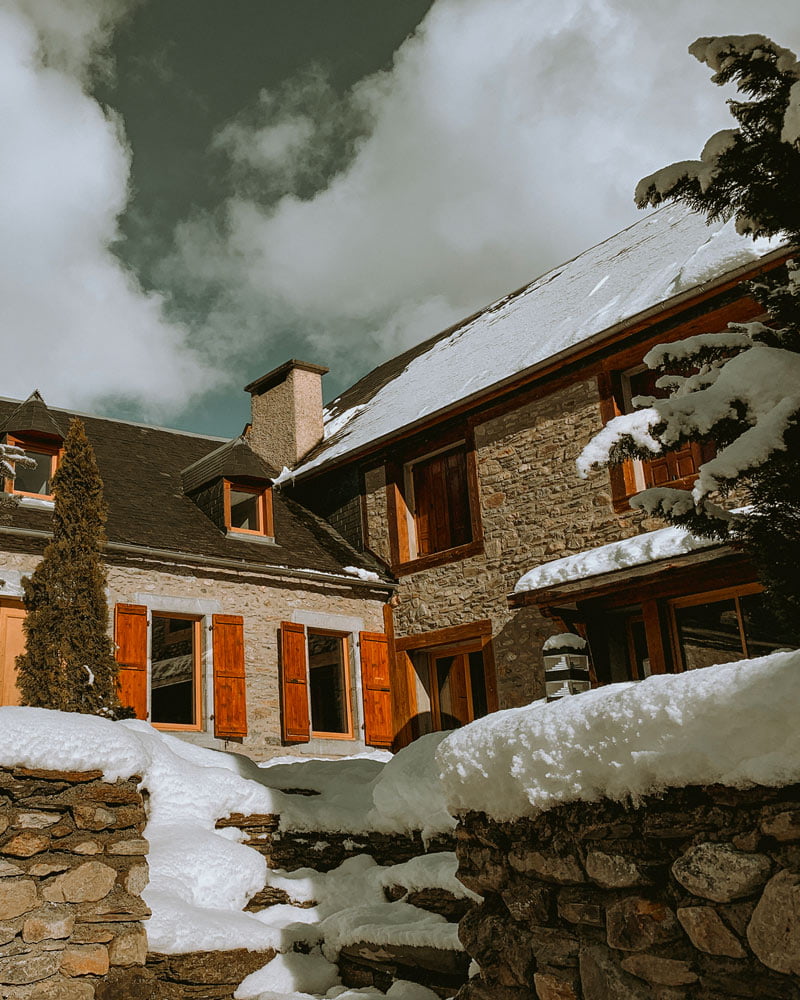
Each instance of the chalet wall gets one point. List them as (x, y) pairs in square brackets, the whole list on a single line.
[(263, 607), (693, 894), (534, 508)]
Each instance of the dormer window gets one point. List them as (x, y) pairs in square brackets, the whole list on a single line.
[(36, 481), (248, 509)]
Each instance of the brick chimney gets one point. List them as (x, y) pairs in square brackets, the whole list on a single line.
[(286, 412)]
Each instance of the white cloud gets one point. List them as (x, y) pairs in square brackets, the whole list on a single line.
[(508, 136), (75, 323)]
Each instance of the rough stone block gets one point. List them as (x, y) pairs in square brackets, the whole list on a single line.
[(133, 845), (36, 820), (603, 979), (26, 844), (85, 960), (635, 924), (17, 896), (708, 933), (54, 922), (783, 826), (129, 947), (89, 882), (564, 870), (136, 880), (9, 931), (60, 988), (612, 871), (774, 929), (550, 987), (9, 870), (29, 967), (721, 873), (661, 971)]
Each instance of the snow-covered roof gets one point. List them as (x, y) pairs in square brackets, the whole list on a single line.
[(666, 255), (639, 550)]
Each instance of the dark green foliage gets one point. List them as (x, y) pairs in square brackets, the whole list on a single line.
[(719, 383), (69, 660)]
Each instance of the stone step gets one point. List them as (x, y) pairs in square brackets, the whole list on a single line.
[(440, 901), (364, 964)]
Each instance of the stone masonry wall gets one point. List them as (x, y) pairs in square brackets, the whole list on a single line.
[(693, 894), (263, 607), (72, 868), (534, 508)]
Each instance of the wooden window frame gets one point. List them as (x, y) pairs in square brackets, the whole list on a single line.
[(37, 447), (346, 638), (401, 514), (266, 528), (197, 674), (709, 597)]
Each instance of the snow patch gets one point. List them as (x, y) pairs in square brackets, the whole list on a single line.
[(733, 724)]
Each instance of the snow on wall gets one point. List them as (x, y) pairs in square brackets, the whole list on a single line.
[(636, 551), (669, 252), (734, 724)]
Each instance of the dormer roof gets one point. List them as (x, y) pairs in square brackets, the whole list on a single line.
[(32, 417), (233, 460)]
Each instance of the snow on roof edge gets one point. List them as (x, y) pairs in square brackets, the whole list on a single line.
[(638, 550)]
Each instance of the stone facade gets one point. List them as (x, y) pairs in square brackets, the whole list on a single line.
[(527, 481), (693, 894), (72, 868), (264, 602)]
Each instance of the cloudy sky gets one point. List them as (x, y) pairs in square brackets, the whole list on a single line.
[(193, 191)]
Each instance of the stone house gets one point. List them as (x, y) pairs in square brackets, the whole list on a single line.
[(214, 578), (454, 464)]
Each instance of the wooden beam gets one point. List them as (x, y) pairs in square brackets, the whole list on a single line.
[(445, 636)]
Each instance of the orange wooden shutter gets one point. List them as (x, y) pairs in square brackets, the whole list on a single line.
[(294, 684), (230, 705), (376, 689), (130, 636)]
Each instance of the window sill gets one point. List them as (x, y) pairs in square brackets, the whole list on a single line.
[(40, 502), (438, 558), (250, 536)]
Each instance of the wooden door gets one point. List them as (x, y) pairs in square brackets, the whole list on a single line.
[(12, 643), (452, 690)]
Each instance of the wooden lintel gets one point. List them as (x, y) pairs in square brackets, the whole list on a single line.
[(444, 636)]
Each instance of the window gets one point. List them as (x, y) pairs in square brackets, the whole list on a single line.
[(248, 509), (677, 469), (37, 481), (160, 677), (174, 671), (317, 682), (725, 626), (435, 507)]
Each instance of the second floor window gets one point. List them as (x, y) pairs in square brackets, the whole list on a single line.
[(248, 509), (438, 490), (677, 468)]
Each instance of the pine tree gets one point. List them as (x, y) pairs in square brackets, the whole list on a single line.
[(739, 388), (69, 663)]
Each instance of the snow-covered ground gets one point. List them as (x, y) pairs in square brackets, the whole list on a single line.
[(734, 724)]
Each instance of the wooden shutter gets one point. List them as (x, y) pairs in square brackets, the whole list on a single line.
[(230, 705), (294, 684), (130, 636), (376, 689)]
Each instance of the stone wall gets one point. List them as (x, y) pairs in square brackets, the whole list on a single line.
[(534, 508), (264, 604), (693, 894), (72, 868)]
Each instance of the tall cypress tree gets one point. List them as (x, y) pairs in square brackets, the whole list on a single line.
[(69, 660)]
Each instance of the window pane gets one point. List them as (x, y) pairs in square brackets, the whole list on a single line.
[(637, 644), (709, 633), (477, 678), (172, 679), (244, 510), (762, 630), (328, 683), (36, 480)]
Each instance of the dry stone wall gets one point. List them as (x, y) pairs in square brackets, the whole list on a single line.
[(72, 868), (694, 894)]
